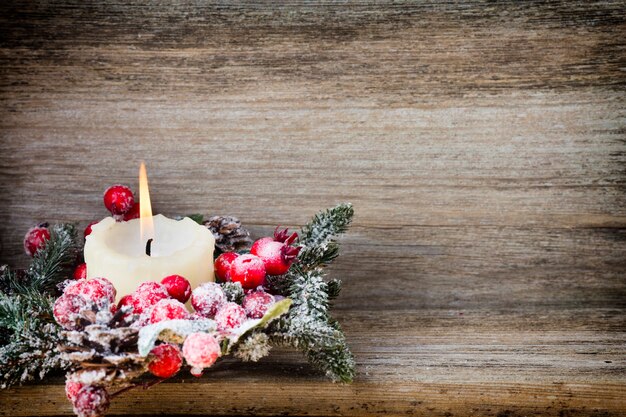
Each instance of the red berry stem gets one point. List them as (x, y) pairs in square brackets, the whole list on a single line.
[(145, 385)]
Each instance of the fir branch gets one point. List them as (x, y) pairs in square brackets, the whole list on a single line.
[(309, 293), (32, 349), (309, 327), (53, 264), (337, 362), (317, 237), (30, 334), (333, 288)]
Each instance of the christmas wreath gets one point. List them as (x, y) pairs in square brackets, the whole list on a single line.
[(52, 318)]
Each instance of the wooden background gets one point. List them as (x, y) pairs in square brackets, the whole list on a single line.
[(482, 144)]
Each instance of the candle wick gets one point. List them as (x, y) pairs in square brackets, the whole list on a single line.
[(149, 246)]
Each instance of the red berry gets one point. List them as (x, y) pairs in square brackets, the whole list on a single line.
[(168, 309), (166, 360), (177, 287), (207, 298), (66, 310), (277, 253), (35, 239), (200, 350), (72, 388), (81, 271), (87, 231), (257, 303), (223, 264), (96, 290), (126, 301), (118, 199), (146, 295), (230, 316), (91, 401), (133, 213), (248, 270)]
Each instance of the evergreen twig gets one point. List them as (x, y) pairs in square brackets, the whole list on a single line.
[(309, 326), (317, 238), (28, 347)]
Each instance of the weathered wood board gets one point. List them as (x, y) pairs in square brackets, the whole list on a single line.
[(482, 144)]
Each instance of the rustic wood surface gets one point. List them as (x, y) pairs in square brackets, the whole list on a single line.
[(482, 144)]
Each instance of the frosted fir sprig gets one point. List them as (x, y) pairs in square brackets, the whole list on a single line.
[(28, 333), (309, 326), (317, 238)]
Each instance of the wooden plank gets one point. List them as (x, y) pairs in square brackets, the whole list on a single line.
[(482, 144)]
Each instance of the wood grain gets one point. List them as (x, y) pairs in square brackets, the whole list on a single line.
[(482, 144)]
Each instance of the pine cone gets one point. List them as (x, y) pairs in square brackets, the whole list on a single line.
[(229, 235), (104, 352)]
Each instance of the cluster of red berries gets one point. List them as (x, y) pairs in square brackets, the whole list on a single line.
[(83, 295), (268, 256), (153, 302)]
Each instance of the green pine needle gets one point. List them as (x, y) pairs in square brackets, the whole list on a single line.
[(317, 237), (309, 326), (29, 333)]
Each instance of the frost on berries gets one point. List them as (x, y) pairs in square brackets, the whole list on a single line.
[(257, 303), (230, 316), (200, 350), (207, 299), (168, 309)]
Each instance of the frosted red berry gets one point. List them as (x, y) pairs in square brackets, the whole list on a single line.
[(118, 199), (72, 388), (35, 239), (126, 302), (80, 271), (248, 270), (200, 350), (147, 295), (88, 229), (133, 213), (91, 401), (166, 360), (230, 316), (223, 264), (207, 298), (277, 253), (97, 290), (257, 303), (168, 309), (177, 287), (66, 310)]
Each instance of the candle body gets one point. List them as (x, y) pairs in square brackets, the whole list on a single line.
[(115, 251)]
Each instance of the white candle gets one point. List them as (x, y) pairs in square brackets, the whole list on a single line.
[(116, 251)]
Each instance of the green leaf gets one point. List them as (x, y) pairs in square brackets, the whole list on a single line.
[(198, 218), (275, 311), (172, 331)]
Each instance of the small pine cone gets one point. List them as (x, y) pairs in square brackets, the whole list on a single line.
[(229, 235)]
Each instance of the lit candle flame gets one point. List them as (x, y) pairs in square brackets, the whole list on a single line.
[(146, 224)]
